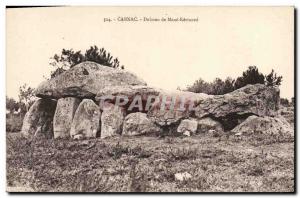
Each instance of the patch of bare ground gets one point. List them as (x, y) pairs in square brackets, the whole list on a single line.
[(123, 164)]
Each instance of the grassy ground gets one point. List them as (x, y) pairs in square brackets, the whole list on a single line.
[(224, 163)]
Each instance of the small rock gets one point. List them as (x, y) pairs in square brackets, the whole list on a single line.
[(187, 125), (207, 124), (187, 133), (238, 134), (78, 137), (183, 176)]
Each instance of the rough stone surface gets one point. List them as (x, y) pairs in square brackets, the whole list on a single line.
[(171, 107), (128, 96), (272, 126), (187, 126), (86, 120), (206, 124), (39, 119), (63, 116), (138, 124), (85, 80), (112, 121), (252, 99)]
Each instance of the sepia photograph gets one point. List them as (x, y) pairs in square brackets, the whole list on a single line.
[(140, 99)]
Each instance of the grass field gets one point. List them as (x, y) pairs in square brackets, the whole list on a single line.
[(225, 163)]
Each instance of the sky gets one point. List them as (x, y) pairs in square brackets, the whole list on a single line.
[(223, 42)]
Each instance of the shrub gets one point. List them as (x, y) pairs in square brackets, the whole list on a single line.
[(272, 79), (182, 153), (117, 150), (217, 87), (250, 76), (284, 102)]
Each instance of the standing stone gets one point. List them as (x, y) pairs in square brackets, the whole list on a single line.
[(111, 120), (38, 121), (137, 124), (86, 120), (187, 127), (63, 116)]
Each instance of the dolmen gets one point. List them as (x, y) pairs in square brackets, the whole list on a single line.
[(94, 101)]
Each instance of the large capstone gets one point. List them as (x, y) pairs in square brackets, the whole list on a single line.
[(171, 107), (38, 121), (132, 98), (85, 80), (111, 120), (86, 121), (63, 116), (139, 124), (233, 108)]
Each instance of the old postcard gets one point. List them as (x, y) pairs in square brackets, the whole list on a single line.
[(150, 99)]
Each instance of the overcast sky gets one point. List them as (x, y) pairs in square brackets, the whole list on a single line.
[(224, 42)]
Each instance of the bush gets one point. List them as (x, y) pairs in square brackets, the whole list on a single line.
[(182, 153), (273, 80), (217, 87), (284, 102), (250, 76)]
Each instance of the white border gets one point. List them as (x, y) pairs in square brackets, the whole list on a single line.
[(4, 3)]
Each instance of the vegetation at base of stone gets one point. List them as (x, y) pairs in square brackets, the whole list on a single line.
[(69, 58), (216, 164), (220, 87)]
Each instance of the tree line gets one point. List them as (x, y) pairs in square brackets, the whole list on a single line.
[(250, 76)]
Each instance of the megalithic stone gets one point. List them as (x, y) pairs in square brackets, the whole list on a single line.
[(63, 117), (112, 119), (38, 121), (86, 121)]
